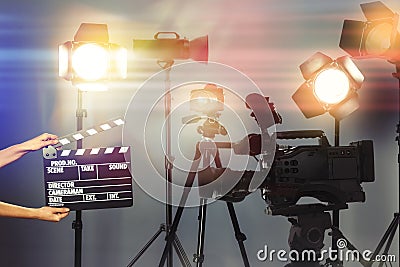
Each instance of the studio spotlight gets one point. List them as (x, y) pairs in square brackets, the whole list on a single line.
[(330, 86), (376, 37), (90, 61), (209, 100), (168, 46)]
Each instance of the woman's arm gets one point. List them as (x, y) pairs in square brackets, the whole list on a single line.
[(44, 213), (15, 152)]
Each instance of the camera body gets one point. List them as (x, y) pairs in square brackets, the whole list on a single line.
[(328, 173), (331, 174)]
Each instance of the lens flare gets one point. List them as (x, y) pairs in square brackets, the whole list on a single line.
[(331, 86), (121, 58), (90, 62), (62, 61)]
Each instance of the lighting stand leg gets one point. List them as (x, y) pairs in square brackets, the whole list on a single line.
[(77, 225), (198, 258), (240, 237), (147, 245), (386, 239), (389, 235)]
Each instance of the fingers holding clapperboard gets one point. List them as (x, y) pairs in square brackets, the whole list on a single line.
[(92, 178)]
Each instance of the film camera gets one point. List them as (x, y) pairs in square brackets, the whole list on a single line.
[(285, 174), (331, 174)]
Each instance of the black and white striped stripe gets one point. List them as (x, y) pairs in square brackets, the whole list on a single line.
[(70, 138), (94, 151)]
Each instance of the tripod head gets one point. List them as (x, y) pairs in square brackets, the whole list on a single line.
[(306, 236), (209, 129)]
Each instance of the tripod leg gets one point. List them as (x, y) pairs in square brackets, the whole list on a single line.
[(181, 252), (171, 235), (199, 256), (188, 185), (240, 237), (390, 239), (148, 244), (392, 228), (172, 231)]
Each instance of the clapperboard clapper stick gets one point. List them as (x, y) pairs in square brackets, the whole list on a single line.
[(93, 178)]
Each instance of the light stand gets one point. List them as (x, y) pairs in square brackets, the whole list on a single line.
[(377, 37), (88, 62), (336, 213), (315, 97), (169, 164), (397, 76), (77, 225), (169, 160), (390, 232), (168, 46)]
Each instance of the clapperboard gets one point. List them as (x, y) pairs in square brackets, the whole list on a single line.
[(93, 178)]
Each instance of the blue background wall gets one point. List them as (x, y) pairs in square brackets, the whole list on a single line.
[(267, 40)]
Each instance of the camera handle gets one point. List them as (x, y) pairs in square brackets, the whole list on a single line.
[(304, 134)]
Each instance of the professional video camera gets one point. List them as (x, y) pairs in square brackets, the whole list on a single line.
[(332, 174), (284, 174)]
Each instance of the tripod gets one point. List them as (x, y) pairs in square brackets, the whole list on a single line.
[(204, 150), (165, 227)]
